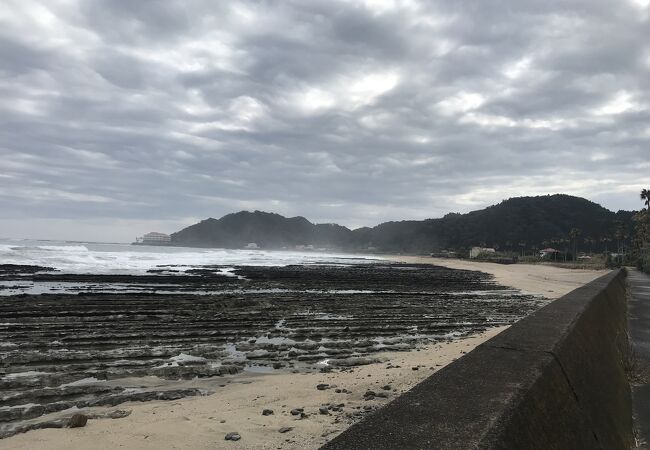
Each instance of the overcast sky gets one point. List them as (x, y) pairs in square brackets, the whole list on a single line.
[(119, 117)]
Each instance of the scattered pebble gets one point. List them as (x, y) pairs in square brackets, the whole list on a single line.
[(285, 429), (267, 412), (233, 436)]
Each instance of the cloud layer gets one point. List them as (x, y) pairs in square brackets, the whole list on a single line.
[(119, 115)]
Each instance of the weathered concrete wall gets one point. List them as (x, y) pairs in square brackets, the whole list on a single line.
[(554, 380)]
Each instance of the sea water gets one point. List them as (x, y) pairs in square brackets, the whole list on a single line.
[(107, 258)]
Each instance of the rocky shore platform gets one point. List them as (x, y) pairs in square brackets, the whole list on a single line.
[(110, 339)]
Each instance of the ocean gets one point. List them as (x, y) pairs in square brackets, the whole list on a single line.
[(107, 258)]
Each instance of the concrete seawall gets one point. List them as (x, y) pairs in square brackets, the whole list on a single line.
[(555, 380)]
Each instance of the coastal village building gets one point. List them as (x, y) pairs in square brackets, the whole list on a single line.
[(547, 252), (475, 251), (154, 238)]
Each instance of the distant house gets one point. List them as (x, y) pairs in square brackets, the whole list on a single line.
[(547, 252), (252, 246), (154, 238), (476, 251)]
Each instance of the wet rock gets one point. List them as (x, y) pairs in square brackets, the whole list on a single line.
[(108, 335), (115, 414), (232, 436), (78, 421), (369, 395)]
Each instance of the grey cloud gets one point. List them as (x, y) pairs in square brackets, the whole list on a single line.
[(149, 112)]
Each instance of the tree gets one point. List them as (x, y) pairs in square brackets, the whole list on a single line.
[(641, 239), (606, 240), (645, 195), (620, 236), (573, 234)]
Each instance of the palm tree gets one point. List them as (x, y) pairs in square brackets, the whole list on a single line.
[(606, 240), (573, 234), (645, 195), (620, 236)]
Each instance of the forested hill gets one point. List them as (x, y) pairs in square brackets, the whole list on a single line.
[(268, 230), (527, 222)]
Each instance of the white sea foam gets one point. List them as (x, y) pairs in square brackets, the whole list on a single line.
[(128, 259)]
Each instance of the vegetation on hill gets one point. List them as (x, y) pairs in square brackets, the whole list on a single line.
[(520, 225), (641, 249)]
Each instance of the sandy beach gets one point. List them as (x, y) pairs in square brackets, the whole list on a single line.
[(536, 279), (239, 400)]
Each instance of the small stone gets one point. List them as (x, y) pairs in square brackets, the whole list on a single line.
[(277, 365), (370, 394), (78, 421), (233, 436), (323, 410), (285, 429), (338, 391), (415, 368), (222, 421), (322, 386), (296, 411), (388, 387), (267, 412)]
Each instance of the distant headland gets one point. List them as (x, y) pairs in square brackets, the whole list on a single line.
[(521, 224)]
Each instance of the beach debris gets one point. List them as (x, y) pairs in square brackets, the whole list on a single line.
[(78, 421), (285, 429), (267, 412), (233, 436)]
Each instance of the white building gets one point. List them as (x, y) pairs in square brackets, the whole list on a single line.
[(154, 238), (475, 251)]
